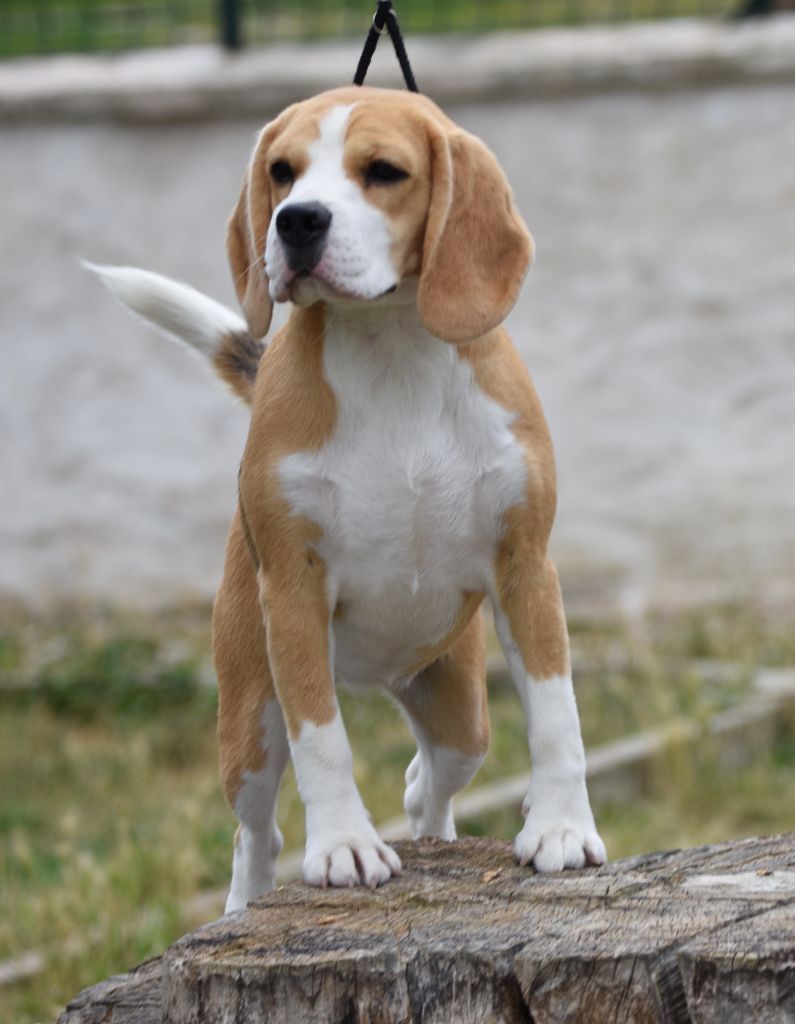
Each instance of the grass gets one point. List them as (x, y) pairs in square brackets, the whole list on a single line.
[(111, 816), (52, 26)]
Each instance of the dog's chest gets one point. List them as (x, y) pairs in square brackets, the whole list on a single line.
[(410, 493)]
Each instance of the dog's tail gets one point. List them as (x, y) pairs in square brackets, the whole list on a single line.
[(183, 313)]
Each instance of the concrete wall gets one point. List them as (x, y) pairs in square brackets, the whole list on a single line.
[(659, 323)]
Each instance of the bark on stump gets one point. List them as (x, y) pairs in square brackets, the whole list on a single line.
[(466, 935)]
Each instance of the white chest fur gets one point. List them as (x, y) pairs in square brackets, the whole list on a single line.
[(410, 490)]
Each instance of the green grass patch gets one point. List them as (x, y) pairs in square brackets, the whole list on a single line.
[(112, 818), (56, 26)]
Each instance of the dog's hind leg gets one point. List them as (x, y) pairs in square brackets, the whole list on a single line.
[(252, 737), (447, 708)]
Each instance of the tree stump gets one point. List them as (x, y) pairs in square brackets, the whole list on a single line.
[(466, 935)]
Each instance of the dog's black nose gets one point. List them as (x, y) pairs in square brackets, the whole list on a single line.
[(303, 228)]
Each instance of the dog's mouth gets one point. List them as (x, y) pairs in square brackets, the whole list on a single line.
[(312, 284)]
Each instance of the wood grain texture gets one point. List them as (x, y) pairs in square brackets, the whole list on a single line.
[(132, 998), (465, 935)]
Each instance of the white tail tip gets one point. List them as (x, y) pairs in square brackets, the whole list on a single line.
[(179, 310)]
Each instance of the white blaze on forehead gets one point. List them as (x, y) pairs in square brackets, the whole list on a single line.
[(326, 152), (325, 171)]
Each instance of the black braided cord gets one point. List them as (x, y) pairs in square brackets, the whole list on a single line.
[(385, 17)]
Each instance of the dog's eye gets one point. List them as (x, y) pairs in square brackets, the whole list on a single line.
[(381, 172), (282, 172)]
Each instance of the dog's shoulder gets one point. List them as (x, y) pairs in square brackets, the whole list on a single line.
[(293, 407), (501, 374)]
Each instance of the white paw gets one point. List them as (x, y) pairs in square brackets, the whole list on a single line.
[(558, 845), (559, 831), (428, 814), (350, 857)]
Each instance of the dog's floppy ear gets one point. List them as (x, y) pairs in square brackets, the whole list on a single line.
[(476, 249), (245, 241)]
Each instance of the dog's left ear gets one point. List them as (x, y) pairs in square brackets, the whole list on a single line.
[(245, 241), (476, 249)]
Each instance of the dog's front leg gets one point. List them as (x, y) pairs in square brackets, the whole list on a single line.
[(559, 830), (342, 847)]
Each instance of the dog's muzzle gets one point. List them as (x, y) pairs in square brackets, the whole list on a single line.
[(303, 229)]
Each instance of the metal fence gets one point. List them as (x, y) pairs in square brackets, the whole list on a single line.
[(53, 26)]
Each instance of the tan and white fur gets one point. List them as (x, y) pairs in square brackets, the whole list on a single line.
[(398, 470)]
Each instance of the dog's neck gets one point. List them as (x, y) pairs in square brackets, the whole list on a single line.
[(395, 314)]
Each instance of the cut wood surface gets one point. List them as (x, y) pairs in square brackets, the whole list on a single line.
[(466, 935), (132, 998)]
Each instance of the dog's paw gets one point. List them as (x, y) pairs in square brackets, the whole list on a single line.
[(428, 813), (559, 831), (557, 845), (355, 857)]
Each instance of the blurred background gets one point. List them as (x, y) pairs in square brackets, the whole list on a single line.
[(651, 148)]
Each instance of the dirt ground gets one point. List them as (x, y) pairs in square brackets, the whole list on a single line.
[(658, 321)]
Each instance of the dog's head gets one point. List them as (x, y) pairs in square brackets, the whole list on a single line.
[(358, 190)]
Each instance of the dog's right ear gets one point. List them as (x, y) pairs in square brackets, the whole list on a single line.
[(245, 240)]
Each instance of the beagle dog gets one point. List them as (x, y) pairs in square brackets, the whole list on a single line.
[(398, 470)]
